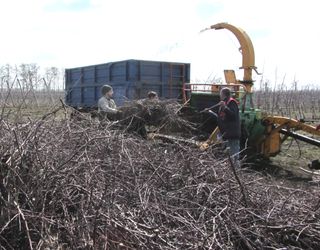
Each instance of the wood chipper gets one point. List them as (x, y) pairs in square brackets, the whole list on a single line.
[(263, 134)]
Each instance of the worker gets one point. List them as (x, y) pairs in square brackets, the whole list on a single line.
[(153, 96), (148, 113), (229, 122), (107, 108)]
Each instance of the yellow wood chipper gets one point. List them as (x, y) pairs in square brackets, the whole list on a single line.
[(264, 134)]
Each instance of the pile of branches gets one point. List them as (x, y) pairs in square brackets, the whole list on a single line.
[(162, 116), (74, 184)]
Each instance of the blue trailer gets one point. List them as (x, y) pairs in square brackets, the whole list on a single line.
[(130, 79)]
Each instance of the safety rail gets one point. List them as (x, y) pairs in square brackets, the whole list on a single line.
[(210, 88)]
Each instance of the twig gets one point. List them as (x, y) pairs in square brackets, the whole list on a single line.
[(233, 168), (25, 224)]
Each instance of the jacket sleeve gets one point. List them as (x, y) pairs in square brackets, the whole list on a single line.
[(105, 106), (213, 114), (232, 110)]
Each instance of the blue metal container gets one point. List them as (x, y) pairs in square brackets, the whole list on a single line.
[(130, 79)]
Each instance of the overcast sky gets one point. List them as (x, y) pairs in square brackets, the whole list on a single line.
[(71, 33)]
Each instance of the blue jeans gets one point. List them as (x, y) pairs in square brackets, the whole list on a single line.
[(234, 147)]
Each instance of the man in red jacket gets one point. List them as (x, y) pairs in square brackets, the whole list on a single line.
[(228, 119)]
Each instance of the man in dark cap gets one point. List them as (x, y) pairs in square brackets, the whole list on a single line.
[(106, 105), (228, 119)]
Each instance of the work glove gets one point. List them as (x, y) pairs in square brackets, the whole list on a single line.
[(204, 146)]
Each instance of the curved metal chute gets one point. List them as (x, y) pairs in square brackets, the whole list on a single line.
[(246, 48)]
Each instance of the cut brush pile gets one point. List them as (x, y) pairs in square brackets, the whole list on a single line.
[(74, 184)]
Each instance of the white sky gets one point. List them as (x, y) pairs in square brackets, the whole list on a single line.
[(71, 33)]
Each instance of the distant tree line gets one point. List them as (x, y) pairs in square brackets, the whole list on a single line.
[(29, 84), (31, 76)]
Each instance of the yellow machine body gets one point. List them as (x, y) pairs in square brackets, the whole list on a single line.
[(271, 142)]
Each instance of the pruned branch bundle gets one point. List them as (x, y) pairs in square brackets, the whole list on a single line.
[(74, 184)]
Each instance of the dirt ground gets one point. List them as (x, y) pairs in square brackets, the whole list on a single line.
[(294, 158)]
